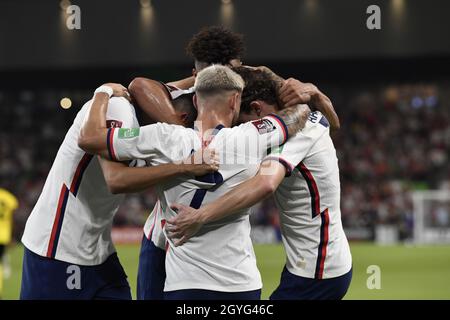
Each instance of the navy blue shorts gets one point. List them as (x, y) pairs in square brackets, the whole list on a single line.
[(200, 294), (293, 287), (49, 279), (151, 271)]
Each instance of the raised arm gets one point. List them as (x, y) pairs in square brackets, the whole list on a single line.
[(294, 118), (155, 101), (189, 220), (183, 83), (92, 138), (294, 91)]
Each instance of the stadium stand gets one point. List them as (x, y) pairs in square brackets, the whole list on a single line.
[(386, 131)]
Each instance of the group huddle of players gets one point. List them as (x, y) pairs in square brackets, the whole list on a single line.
[(214, 144)]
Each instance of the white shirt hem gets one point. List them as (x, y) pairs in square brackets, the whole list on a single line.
[(68, 258)]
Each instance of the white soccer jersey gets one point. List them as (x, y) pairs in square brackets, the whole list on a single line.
[(153, 229), (309, 203), (220, 257), (72, 219)]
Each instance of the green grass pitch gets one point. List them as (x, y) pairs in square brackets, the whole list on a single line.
[(407, 272)]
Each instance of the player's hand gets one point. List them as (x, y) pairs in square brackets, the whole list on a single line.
[(295, 92), (263, 69), (185, 225), (260, 68), (202, 162), (119, 90)]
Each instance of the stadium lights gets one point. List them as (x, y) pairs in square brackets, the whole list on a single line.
[(227, 13), (64, 4), (398, 5), (65, 103), (398, 9), (311, 5), (145, 3), (146, 14)]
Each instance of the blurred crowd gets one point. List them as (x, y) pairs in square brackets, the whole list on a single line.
[(394, 138)]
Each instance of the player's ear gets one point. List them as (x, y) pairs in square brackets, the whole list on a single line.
[(183, 116), (194, 72), (194, 101), (234, 98), (256, 107)]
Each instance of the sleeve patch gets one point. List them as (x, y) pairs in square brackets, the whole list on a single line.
[(128, 133), (264, 126), (277, 150), (113, 124)]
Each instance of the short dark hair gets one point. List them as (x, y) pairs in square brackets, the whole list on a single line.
[(216, 45), (259, 85), (184, 104)]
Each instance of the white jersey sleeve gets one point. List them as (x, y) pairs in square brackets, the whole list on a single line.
[(273, 129), (148, 142), (296, 148), (120, 113), (267, 132)]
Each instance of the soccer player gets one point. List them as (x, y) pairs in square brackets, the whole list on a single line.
[(211, 45), (69, 253), (8, 204), (219, 264), (303, 175)]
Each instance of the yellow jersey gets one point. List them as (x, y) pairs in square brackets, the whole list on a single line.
[(8, 204)]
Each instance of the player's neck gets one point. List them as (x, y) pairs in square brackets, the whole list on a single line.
[(208, 121)]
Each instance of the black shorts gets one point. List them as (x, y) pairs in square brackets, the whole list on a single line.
[(2, 250)]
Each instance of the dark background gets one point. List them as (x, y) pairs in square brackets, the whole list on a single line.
[(322, 40)]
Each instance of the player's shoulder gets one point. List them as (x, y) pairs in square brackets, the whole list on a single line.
[(317, 119), (170, 126), (316, 127), (115, 105), (253, 125), (168, 129), (120, 104), (114, 101)]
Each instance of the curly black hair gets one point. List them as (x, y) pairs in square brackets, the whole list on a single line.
[(216, 45), (259, 85)]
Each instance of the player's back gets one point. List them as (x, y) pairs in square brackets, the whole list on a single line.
[(72, 218), (220, 257), (221, 251), (309, 203)]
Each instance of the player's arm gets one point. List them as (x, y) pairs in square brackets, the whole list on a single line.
[(294, 92), (274, 129), (154, 100), (92, 138), (294, 118), (189, 220), (183, 83), (121, 178)]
